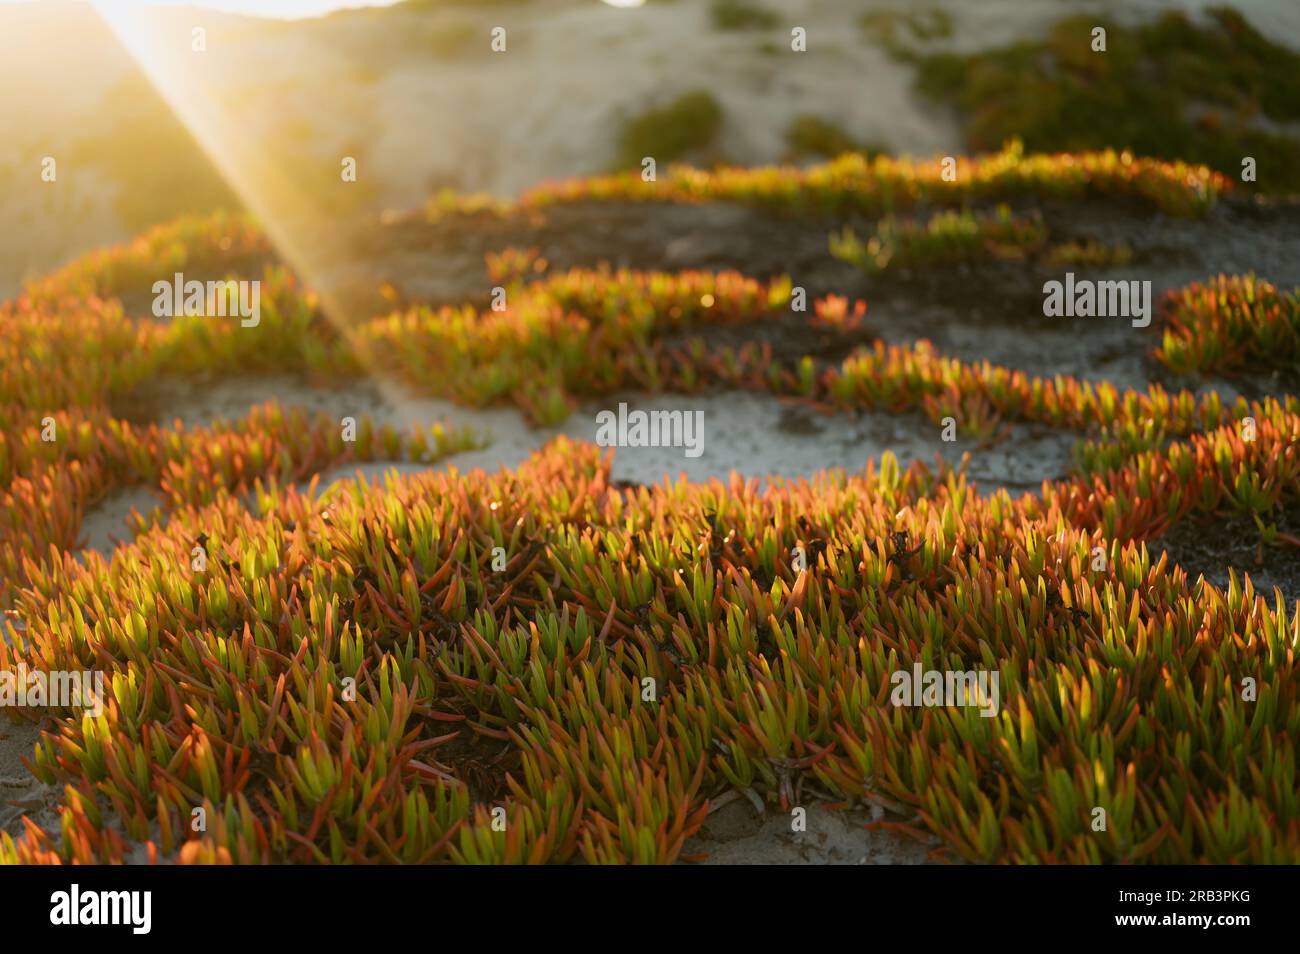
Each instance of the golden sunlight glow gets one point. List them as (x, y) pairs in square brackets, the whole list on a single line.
[(296, 226), (280, 9)]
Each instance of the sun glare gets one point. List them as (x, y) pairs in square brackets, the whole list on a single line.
[(278, 9), (292, 220)]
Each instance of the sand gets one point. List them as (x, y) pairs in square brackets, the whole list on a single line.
[(21, 793), (737, 835), (754, 433)]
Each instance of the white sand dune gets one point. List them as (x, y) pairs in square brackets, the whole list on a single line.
[(422, 102)]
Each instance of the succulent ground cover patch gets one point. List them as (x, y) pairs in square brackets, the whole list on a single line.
[(853, 182), (390, 673), (1232, 323), (947, 238), (1211, 92)]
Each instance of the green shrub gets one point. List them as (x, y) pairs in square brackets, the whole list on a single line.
[(813, 136), (740, 15), (1167, 89), (688, 124)]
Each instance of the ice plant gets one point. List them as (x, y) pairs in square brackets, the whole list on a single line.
[(947, 238), (1232, 323), (854, 183), (544, 665)]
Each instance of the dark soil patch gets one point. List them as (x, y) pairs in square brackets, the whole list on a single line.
[(1253, 384), (788, 335), (481, 762), (1209, 547)]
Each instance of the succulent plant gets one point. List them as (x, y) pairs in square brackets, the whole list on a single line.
[(541, 665)]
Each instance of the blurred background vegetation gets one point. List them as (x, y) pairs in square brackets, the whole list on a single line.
[(413, 92)]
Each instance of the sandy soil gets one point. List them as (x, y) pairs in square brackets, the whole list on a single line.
[(758, 435), (754, 434), (736, 835), (21, 794), (1210, 547), (105, 526)]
